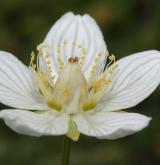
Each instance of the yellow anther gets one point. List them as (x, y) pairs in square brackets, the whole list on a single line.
[(112, 57), (32, 60)]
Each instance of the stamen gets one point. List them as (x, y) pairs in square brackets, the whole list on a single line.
[(103, 78), (32, 60), (112, 59), (96, 62), (44, 50)]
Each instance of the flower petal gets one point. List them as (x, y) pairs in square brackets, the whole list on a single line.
[(110, 125), (76, 36), (35, 124), (137, 77), (16, 86)]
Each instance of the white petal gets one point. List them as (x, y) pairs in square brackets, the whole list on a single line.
[(72, 35), (137, 77), (35, 124), (110, 125), (16, 86)]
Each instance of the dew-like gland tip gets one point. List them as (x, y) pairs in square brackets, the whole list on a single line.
[(62, 63), (58, 59), (48, 62), (74, 43), (112, 57), (65, 42), (58, 51), (81, 62)]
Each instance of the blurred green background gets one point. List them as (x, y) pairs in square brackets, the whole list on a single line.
[(128, 26)]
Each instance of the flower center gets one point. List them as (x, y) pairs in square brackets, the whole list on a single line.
[(71, 92)]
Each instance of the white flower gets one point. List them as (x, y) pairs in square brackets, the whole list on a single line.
[(71, 89)]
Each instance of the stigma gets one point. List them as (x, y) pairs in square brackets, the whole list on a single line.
[(73, 60)]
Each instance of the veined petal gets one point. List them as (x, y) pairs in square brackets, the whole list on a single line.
[(16, 86), (35, 124), (76, 36), (110, 125), (137, 77)]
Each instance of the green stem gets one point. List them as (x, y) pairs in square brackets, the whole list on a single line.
[(66, 151)]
